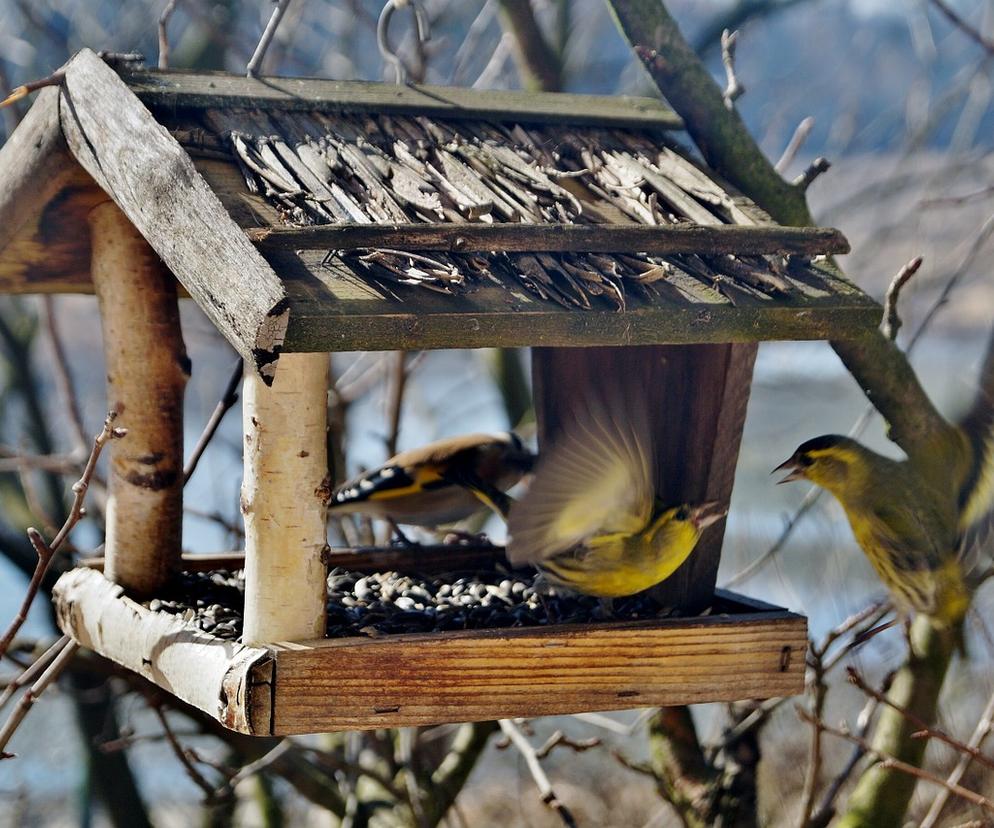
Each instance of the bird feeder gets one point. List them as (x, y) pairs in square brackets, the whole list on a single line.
[(311, 216)]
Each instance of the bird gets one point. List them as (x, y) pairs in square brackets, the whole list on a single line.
[(924, 522), (591, 521), (439, 483)]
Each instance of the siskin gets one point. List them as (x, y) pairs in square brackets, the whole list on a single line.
[(591, 520), (441, 482), (917, 521)]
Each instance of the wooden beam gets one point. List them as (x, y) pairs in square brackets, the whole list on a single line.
[(217, 90), (44, 198), (227, 680), (554, 238), (285, 532), (147, 369), (479, 675), (153, 181)]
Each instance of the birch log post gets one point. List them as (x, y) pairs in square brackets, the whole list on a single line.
[(282, 501), (147, 370)]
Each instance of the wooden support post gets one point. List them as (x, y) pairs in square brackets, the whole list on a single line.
[(282, 501), (147, 370), (697, 398)]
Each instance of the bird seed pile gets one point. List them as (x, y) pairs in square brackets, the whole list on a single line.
[(388, 603), (321, 168)]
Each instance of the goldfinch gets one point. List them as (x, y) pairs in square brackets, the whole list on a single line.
[(591, 521), (441, 482), (919, 523)]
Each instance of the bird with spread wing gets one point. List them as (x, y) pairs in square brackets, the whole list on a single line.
[(591, 520)]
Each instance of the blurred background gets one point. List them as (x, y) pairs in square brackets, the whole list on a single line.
[(894, 95)]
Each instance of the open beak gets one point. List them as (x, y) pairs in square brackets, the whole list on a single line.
[(792, 466), (707, 513)]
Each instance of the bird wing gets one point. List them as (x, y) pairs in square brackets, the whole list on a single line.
[(596, 479)]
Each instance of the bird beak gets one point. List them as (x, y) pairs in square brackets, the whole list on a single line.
[(795, 469), (707, 513)]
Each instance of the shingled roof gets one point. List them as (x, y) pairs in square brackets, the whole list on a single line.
[(402, 217)]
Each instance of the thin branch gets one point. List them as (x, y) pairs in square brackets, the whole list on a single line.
[(167, 12), (32, 86), (254, 64), (63, 377), (953, 17), (225, 404), (733, 88), (925, 731), (812, 772), (888, 761), (191, 770), (58, 664), (985, 725), (826, 808), (545, 789), (253, 768), (814, 169), (398, 383), (794, 145), (46, 552), (892, 322), (32, 672), (560, 739)]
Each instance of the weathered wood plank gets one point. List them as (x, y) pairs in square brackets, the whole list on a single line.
[(573, 238), (175, 89), (151, 178), (44, 198), (224, 679), (480, 675)]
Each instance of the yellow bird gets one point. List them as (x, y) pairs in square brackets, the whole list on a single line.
[(591, 521), (441, 482), (919, 523)]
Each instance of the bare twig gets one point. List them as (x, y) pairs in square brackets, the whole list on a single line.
[(926, 731), (953, 17), (819, 691), (32, 672), (14, 461), (253, 768), (794, 144), (181, 754), (560, 739), (57, 665), (985, 726), (892, 322), (888, 761), (826, 808), (32, 86), (46, 552), (167, 12), (63, 378), (255, 63), (814, 169), (225, 404), (733, 89), (545, 789), (398, 383)]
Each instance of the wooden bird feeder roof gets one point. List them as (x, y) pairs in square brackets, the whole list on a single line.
[(312, 215)]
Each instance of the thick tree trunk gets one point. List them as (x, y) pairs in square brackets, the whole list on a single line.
[(147, 370), (283, 500)]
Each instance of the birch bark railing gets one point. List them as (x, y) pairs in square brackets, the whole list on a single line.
[(285, 465)]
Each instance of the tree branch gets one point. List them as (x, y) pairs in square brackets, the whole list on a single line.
[(539, 64)]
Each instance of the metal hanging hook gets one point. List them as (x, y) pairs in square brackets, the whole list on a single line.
[(383, 24)]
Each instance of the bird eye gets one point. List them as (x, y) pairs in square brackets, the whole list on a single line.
[(682, 513), (805, 461)]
